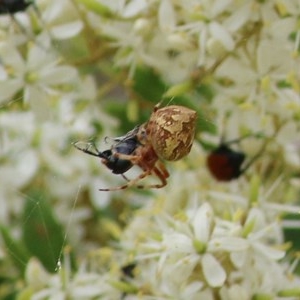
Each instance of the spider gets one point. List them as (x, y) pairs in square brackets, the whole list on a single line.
[(168, 135), (226, 164)]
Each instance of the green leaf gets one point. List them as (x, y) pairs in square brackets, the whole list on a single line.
[(292, 234), (148, 85), (42, 234), (123, 115), (15, 249), (178, 89)]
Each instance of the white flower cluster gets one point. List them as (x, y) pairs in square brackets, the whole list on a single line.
[(196, 238), (194, 254), (179, 37), (44, 105)]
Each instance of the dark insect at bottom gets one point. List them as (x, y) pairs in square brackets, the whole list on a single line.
[(128, 270), (128, 273)]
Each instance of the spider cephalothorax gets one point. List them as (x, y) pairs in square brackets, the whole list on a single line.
[(168, 135)]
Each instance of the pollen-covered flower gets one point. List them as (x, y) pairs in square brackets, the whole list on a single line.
[(196, 251), (60, 19), (40, 76)]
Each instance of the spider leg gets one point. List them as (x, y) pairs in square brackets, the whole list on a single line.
[(133, 158), (150, 166), (130, 182), (163, 169), (159, 171)]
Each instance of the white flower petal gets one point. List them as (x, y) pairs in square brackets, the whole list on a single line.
[(58, 75), (35, 274), (213, 271), (38, 58), (274, 56), (221, 34), (39, 103), (206, 294), (11, 57), (228, 244), (218, 7), (202, 223), (133, 8), (234, 292), (255, 219), (238, 258), (176, 242), (236, 71), (166, 16), (25, 166), (180, 270), (191, 289), (8, 88), (238, 18), (66, 31), (269, 252)]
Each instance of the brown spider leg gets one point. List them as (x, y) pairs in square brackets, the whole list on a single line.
[(155, 168), (130, 182), (162, 174), (163, 169), (133, 158)]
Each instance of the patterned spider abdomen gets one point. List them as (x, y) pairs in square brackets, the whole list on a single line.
[(171, 131)]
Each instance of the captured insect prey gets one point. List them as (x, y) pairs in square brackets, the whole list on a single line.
[(124, 145), (14, 6), (168, 135), (226, 164)]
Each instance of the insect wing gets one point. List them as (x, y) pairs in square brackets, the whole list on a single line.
[(132, 134)]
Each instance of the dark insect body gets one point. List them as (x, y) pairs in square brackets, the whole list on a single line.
[(127, 274), (13, 6), (128, 270), (125, 145), (225, 164)]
